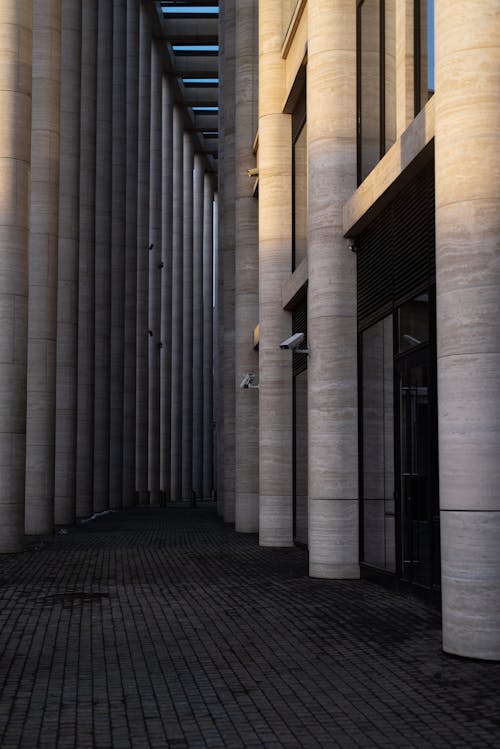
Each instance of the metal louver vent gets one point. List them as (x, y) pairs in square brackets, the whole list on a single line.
[(396, 252), (299, 325)]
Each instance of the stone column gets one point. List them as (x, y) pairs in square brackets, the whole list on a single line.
[(177, 223), (187, 320), (219, 282), (198, 179), (246, 271), (228, 170), (141, 439), (132, 94), (118, 238), (85, 394), (67, 284), (275, 243), (42, 301), (103, 256), (467, 102), (208, 336), (166, 286), (15, 136), (155, 255), (331, 314)]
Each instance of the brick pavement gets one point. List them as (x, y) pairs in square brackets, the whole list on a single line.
[(163, 628)]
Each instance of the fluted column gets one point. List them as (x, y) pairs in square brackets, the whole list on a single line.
[(208, 336), (155, 255), (246, 271), (141, 444), (15, 136), (166, 286), (67, 284), (118, 238), (86, 264), (467, 152), (132, 98), (103, 255), (42, 303), (228, 244), (331, 320), (275, 241), (177, 224), (198, 178), (187, 320)]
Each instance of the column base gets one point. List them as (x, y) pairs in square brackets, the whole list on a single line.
[(333, 539), (247, 513)]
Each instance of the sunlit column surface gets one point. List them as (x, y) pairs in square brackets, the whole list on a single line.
[(467, 152), (42, 302), (86, 260), (246, 271), (67, 285), (331, 321), (132, 94), (15, 136), (103, 255), (275, 242)]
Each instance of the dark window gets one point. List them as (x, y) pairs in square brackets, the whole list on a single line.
[(376, 81), (299, 181), (424, 52)]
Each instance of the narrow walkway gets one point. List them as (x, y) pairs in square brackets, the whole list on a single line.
[(164, 628)]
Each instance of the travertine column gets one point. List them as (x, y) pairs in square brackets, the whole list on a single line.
[(177, 224), (67, 284), (208, 334), (198, 177), (141, 443), (468, 322), (155, 255), (42, 302), (187, 320), (118, 253), (228, 184), (166, 286), (85, 395), (331, 314), (219, 283), (103, 255), (275, 242), (132, 93), (246, 271), (15, 135)]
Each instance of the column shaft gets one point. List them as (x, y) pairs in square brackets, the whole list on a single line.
[(246, 271), (118, 238), (467, 153), (42, 302), (275, 241), (15, 136), (177, 223), (86, 264), (197, 448), (187, 320), (166, 286), (331, 321), (67, 284), (103, 255), (132, 144), (208, 337), (141, 444)]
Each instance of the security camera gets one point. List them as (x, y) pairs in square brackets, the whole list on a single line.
[(293, 342), (247, 381)]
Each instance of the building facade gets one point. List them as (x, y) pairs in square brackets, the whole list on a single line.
[(290, 302), (377, 179)]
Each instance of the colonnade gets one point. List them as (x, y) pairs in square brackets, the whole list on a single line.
[(100, 249)]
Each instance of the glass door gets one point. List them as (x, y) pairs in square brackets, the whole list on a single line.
[(419, 511)]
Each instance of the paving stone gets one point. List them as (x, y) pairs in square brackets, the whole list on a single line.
[(162, 627)]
